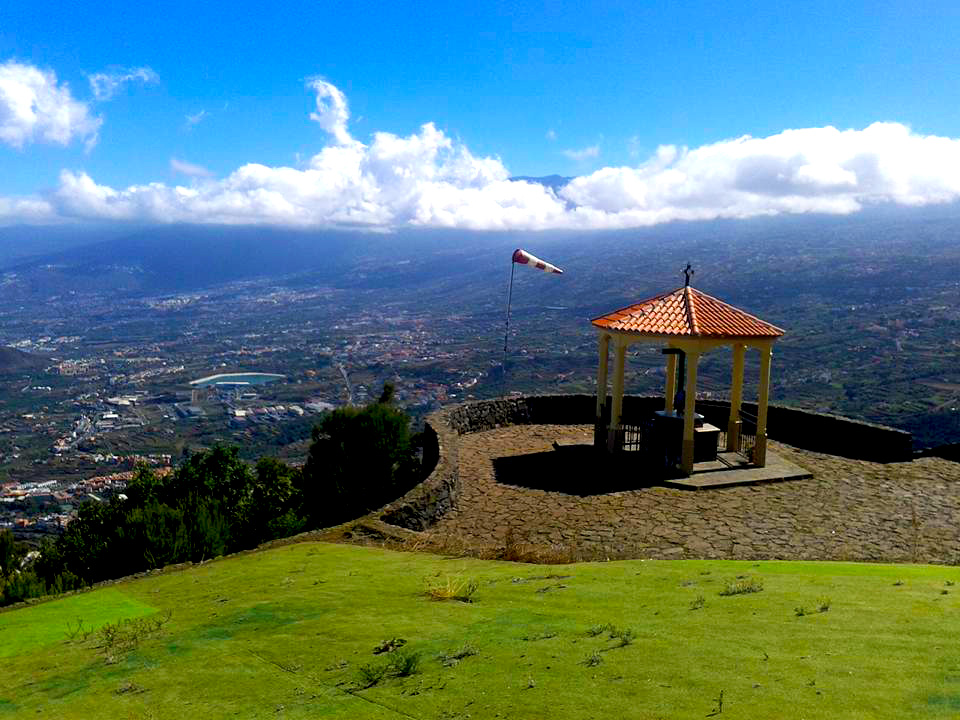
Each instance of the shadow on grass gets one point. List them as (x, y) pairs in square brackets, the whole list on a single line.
[(575, 470)]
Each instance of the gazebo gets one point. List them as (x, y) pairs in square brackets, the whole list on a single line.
[(688, 323)]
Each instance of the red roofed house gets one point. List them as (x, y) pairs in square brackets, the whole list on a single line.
[(688, 323)]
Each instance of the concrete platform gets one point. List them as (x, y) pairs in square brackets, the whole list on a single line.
[(731, 469)]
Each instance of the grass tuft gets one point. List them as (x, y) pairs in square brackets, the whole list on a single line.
[(453, 657), (593, 659), (743, 585), (452, 587)]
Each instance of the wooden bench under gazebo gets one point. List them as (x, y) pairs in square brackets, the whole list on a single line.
[(687, 323)]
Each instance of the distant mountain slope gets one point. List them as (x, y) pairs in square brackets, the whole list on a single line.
[(180, 257), (13, 360)]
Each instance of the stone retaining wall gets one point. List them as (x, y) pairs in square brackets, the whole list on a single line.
[(427, 502)]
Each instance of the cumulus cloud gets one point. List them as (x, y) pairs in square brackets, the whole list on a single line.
[(104, 85), (822, 170), (182, 167), (586, 153), (428, 179), (35, 107)]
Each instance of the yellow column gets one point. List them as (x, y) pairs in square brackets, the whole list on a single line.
[(686, 459), (671, 388), (760, 453), (616, 410), (599, 427), (736, 398)]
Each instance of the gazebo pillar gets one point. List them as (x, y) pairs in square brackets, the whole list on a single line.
[(736, 398), (760, 450), (690, 400), (600, 427), (616, 411), (671, 388)]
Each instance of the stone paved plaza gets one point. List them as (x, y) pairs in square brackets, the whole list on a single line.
[(849, 510)]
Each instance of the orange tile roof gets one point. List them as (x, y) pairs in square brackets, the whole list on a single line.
[(686, 312)]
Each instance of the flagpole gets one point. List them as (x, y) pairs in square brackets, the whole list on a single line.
[(506, 333)]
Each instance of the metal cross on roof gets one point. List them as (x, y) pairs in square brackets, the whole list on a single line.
[(687, 272)]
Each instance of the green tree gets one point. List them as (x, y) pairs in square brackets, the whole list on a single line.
[(360, 458), (276, 500)]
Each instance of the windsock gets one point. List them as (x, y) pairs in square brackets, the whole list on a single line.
[(525, 258)]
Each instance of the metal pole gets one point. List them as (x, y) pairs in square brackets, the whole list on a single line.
[(506, 333)]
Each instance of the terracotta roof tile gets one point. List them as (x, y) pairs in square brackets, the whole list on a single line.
[(687, 312)]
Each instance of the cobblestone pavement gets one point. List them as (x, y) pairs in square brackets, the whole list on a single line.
[(849, 510)]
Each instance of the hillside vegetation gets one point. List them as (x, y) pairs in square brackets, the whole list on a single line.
[(215, 503), (319, 630)]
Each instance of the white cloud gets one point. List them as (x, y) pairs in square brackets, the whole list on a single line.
[(195, 118), (427, 179), (332, 112), (189, 169), (586, 153), (34, 107), (796, 171), (105, 85)]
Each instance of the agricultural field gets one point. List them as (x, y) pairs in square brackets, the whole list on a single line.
[(323, 630)]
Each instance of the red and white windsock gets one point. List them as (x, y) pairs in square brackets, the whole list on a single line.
[(525, 258)]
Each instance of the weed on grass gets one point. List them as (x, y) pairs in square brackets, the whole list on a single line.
[(593, 659), (390, 645), (370, 674), (697, 603), (453, 657), (116, 640), (623, 637), (402, 663), (799, 611), (452, 587), (595, 630), (718, 708), (823, 604), (78, 631), (743, 585)]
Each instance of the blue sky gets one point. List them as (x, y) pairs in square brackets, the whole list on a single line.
[(568, 88)]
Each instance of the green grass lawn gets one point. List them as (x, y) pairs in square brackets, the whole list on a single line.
[(47, 624), (291, 633)]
